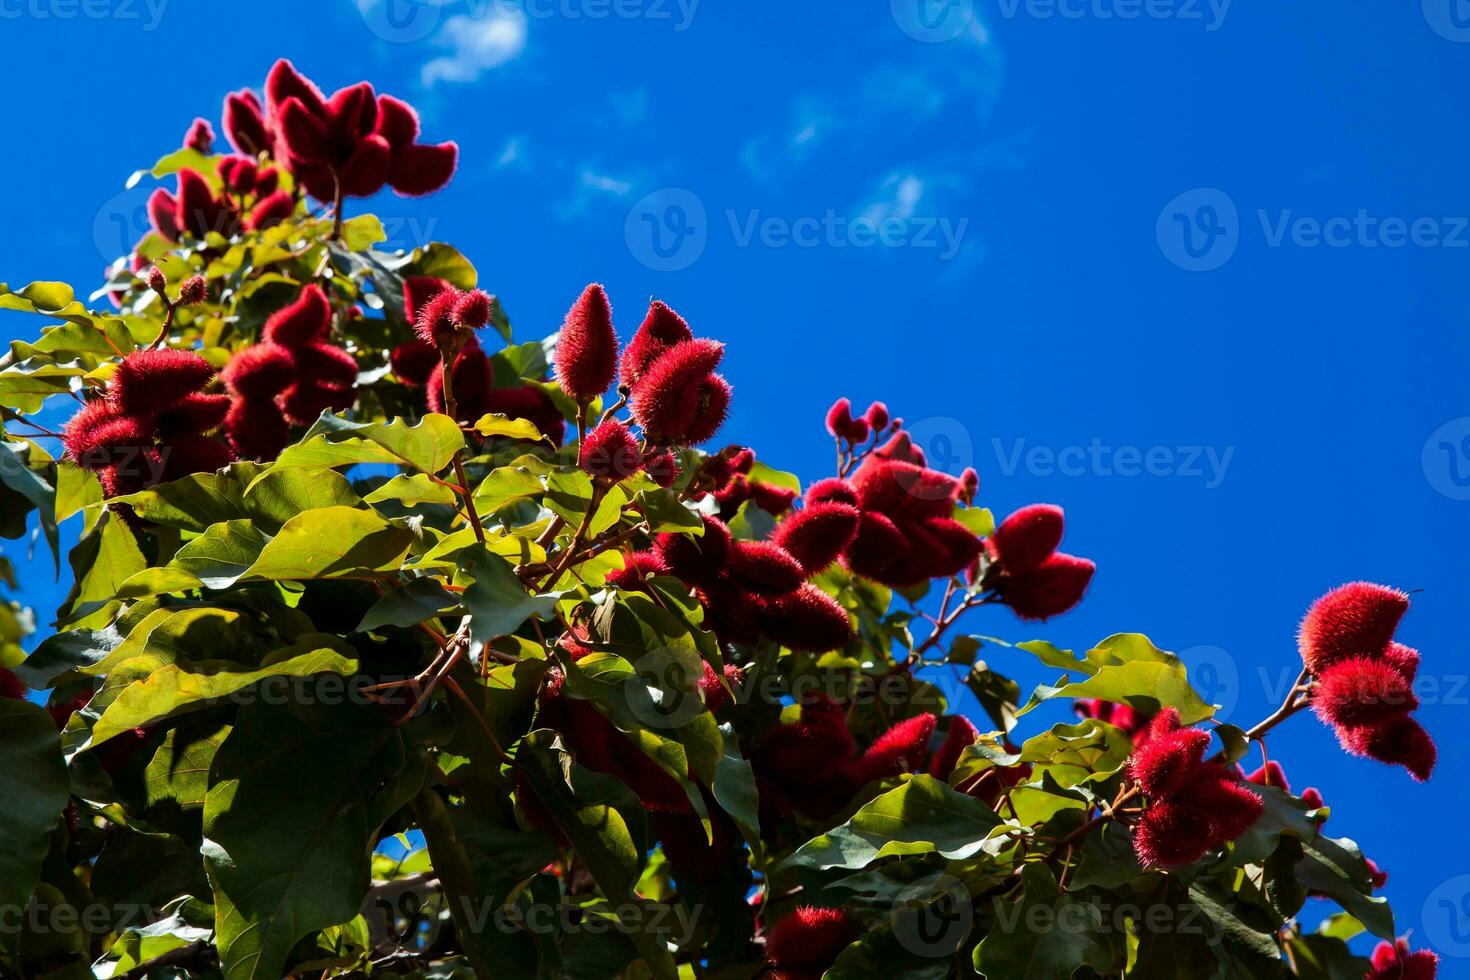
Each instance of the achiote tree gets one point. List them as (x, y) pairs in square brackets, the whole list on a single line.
[(356, 567)]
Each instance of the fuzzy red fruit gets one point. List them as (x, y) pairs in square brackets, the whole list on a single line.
[(637, 569), (1233, 807), (1395, 961), (1172, 834), (670, 395), (194, 415), (698, 560), (162, 214), (808, 620), (437, 324), (1169, 759), (1359, 691), (903, 748), (714, 408), (1376, 875), (271, 211), (304, 402), (151, 381), (423, 168), (1312, 797), (877, 416), (261, 371), (903, 489), (587, 349), (806, 943), (662, 328), (1053, 588), (305, 321), (774, 500), (98, 434), (1028, 537), (1400, 741), (11, 686), (1270, 774), (832, 489), (200, 137), (961, 735), (1353, 620), (662, 467), (285, 82), (193, 291), (765, 568), (184, 455), (1123, 717), (818, 535), (1403, 659), (417, 291), (325, 365), (256, 429), (901, 448), (610, 452), (716, 694), (878, 545), (413, 362), (245, 123), (839, 418), (473, 309)]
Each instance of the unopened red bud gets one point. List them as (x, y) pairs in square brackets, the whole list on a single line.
[(193, 290), (877, 416), (200, 137), (157, 281), (839, 418)]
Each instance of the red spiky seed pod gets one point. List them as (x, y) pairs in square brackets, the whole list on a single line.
[(969, 484), (716, 694), (98, 435), (713, 409), (774, 500), (1395, 961), (195, 414), (818, 535), (808, 941), (698, 560), (325, 365), (273, 209), (147, 382), (11, 686), (413, 362), (197, 211), (636, 571), (1312, 797), (184, 455), (1051, 589), (1270, 774), (807, 620), (587, 349), (200, 137), (1353, 620), (1026, 538), (662, 328), (1170, 758), (879, 545), (877, 417), (662, 467), (1376, 875), (437, 325), (1171, 834), (901, 448), (245, 124), (260, 371), (417, 291), (832, 489), (1400, 741), (157, 281), (839, 418), (906, 490), (305, 321), (473, 309), (610, 452), (961, 735), (1359, 691), (670, 396), (765, 568), (163, 215), (1233, 807), (902, 748), (1403, 659), (193, 291)]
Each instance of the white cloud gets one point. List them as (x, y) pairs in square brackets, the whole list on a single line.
[(477, 44), (606, 184), (898, 197)]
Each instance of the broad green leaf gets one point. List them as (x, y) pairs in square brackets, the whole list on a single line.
[(408, 605), (497, 601), (281, 872), (1046, 934), (35, 787), (500, 425), (188, 685), (921, 816), (363, 232), (428, 445), (412, 489), (332, 541)]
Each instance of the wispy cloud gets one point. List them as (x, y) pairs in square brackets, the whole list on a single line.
[(476, 44)]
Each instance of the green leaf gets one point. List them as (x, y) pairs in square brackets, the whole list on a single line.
[(429, 445), (363, 232), (500, 425), (281, 872), (408, 605), (497, 601), (1046, 935), (1126, 669), (186, 686), (921, 816), (666, 514), (1336, 868), (330, 542), (35, 787), (410, 489)]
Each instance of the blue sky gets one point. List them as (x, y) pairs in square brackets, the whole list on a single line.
[(1192, 271)]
